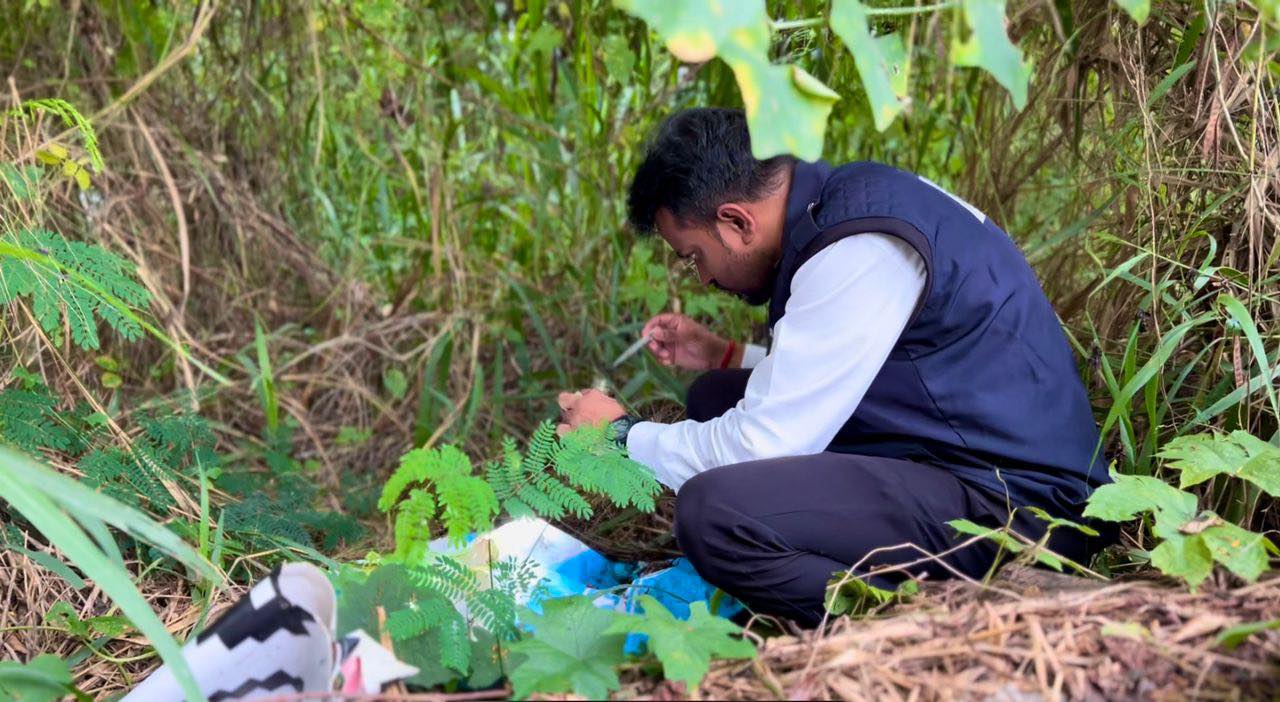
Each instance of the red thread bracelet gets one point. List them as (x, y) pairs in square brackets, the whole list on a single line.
[(728, 355)]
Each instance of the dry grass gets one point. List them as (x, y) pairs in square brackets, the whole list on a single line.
[(1061, 638), (27, 592)]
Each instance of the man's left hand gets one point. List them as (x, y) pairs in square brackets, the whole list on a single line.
[(586, 407)]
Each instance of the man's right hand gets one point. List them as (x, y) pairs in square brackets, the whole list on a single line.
[(679, 341)]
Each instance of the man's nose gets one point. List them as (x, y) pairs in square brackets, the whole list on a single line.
[(704, 277)]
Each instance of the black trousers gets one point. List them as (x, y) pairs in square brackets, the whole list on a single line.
[(773, 532)]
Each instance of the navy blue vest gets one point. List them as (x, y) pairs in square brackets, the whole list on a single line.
[(982, 382)]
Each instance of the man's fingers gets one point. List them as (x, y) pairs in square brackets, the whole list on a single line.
[(666, 320), (562, 429), (567, 400)]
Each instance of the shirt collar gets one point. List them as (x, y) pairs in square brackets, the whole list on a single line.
[(807, 179)]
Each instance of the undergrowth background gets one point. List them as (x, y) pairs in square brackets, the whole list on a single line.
[(375, 227)]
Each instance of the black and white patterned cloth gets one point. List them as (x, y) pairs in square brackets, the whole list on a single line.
[(278, 638)]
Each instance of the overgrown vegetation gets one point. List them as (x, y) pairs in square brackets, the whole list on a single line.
[(254, 254)]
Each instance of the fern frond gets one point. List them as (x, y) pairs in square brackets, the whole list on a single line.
[(412, 469), (70, 280), (413, 525), (467, 503), (590, 461), (421, 615), (526, 487), (121, 475), (455, 645), (29, 419), (256, 515), (518, 577), (446, 576), (542, 448), (495, 610)]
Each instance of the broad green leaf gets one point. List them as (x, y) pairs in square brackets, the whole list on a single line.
[(1185, 557), (786, 107), (545, 38), (685, 647), (45, 679), (1231, 638), (988, 47), (1137, 9), (574, 649), (698, 30), (1239, 550), (1131, 495), (881, 61), (1200, 457), (1158, 92), (395, 382), (52, 155), (1263, 470), (618, 57)]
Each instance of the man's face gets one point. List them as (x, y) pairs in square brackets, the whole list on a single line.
[(736, 253)]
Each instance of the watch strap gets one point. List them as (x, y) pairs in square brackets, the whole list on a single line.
[(621, 427)]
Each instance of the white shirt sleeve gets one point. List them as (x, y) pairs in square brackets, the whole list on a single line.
[(752, 355), (849, 305)]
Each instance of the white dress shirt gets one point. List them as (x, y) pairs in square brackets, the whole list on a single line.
[(849, 305)]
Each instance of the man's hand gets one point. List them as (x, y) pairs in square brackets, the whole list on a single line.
[(679, 341), (586, 407)]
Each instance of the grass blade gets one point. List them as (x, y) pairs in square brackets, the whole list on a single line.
[(63, 532)]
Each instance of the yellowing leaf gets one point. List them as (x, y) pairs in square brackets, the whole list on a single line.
[(1200, 457), (786, 110), (53, 155), (697, 30), (881, 61), (988, 47), (786, 107), (1240, 551), (81, 177)]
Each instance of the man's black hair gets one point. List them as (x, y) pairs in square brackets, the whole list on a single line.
[(698, 160)]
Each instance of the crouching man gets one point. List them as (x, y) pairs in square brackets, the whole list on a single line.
[(916, 374)]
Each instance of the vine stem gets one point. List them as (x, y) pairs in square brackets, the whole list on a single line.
[(917, 10), (782, 25)]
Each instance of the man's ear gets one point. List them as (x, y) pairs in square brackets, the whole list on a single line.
[(738, 220)]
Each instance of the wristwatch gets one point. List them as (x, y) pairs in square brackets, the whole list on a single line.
[(621, 427)]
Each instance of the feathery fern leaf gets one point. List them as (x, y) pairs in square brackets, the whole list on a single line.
[(413, 525), (29, 419), (464, 501), (590, 461), (70, 280), (126, 476), (526, 487)]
